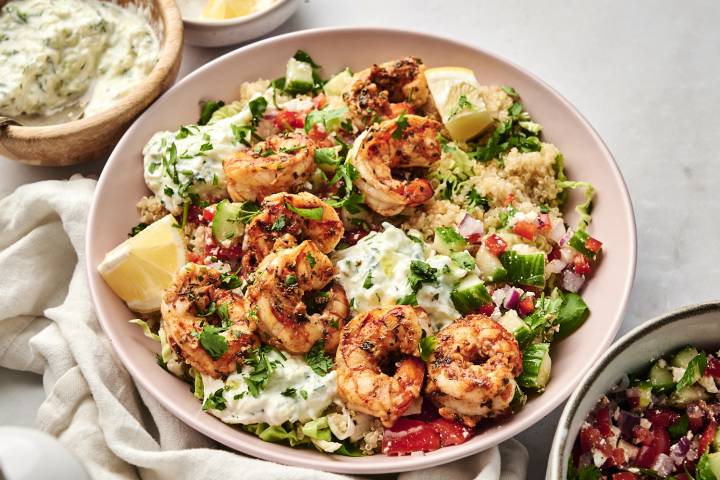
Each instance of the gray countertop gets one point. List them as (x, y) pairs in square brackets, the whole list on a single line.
[(645, 73)]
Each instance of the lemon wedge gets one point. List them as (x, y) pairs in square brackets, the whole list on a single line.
[(457, 96), (140, 268), (224, 9)]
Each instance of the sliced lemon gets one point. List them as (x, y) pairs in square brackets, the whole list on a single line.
[(224, 9), (456, 93), (140, 268)]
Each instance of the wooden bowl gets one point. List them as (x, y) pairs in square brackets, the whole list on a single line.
[(91, 138)]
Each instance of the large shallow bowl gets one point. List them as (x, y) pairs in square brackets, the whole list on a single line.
[(93, 137), (121, 185), (697, 325)]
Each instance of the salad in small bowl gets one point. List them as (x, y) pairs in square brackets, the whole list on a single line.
[(650, 408)]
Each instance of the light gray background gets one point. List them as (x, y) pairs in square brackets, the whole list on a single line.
[(646, 73)]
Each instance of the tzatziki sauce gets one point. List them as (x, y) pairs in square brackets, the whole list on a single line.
[(56, 54)]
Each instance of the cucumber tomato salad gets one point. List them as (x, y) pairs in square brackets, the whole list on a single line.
[(658, 423), (374, 262)]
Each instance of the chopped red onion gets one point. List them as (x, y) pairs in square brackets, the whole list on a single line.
[(627, 421), (558, 232), (471, 228), (663, 465), (564, 239), (555, 266), (571, 281), (512, 299), (679, 450)]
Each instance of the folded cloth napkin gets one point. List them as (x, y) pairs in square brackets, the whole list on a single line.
[(48, 326)]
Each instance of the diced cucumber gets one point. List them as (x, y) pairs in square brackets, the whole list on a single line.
[(226, 223), (578, 242), (645, 391), (519, 399), (448, 240), (463, 260), (687, 395), (470, 294), (714, 463), (661, 378), (708, 467), (298, 76), (491, 269), (536, 367), (338, 83), (511, 322), (524, 269), (683, 357)]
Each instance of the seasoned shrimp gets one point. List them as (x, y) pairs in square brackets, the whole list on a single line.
[(286, 219), (471, 373), (281, 163), (195, 300), (382, 149), (294, 301), (386, 90), (379, 371)]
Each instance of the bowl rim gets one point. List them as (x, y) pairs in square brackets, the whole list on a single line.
[(237, 21), (170, 50), (557, 461), (444, 455)]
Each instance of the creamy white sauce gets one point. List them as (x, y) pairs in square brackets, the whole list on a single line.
[(58, 53), (387, 256), (198, 158), (271, 406), (193, 9)]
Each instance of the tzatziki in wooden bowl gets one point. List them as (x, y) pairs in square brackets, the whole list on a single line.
[(77, 73)]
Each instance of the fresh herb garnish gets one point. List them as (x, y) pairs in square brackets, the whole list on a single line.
[(278, 224), (229, 281), (262, 368), (400, 125), (311, 260), (212, 342), (368, 281), (215, 401), (289, 392), (291, 280), (309, 213), (318, 360), (137, 229)]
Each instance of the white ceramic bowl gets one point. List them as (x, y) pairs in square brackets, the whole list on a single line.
[(697, 325), (121, 185), (221, 33)]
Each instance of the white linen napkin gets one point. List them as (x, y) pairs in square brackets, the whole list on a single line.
[(48, 326)]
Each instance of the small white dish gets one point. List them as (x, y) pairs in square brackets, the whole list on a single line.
[(221, 33), (695, 325)]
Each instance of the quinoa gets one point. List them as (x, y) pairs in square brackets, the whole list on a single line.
[(496, 101), (251, 89), (435, 213), (151, 209)]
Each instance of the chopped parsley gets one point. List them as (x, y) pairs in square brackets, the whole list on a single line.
[(262, 368), (327, 156), (278, 224), (291, 280), (257, 108), (420, 273), (516, 132), (400, 125), (349, 199), (215, 401), (229, 281), (310, 259), (309, 213), (137, 229), (318, 360), (289, 392), (212, 342), (368, 281)]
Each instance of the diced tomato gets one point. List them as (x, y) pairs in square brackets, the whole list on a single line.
[(707, 436), (487, 309), (208, 213), (581, 265), (320, 101), (713, 367), (593, 245), (320, 137), (525, 229), (495, 244), (288, 121), (509, 199), (527, 306), (696, 417), (643, 435), (624, 476), (661, 440), (544, 223), (408, 436), (193, 257), (602, 421), (590, 438), (646, 457), (451, 433), (662, 417)]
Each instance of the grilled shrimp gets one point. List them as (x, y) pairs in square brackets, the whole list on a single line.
[(286, 219), (195, 300), (386, 90), (382, 149), (471, 373), (281, 163), (379, 371), (294, 301)]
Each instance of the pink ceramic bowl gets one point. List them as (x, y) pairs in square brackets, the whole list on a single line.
[(121, 185)]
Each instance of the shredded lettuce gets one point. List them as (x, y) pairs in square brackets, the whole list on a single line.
[(563, 184), (146, 329), (198, 386), (226, 111)]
